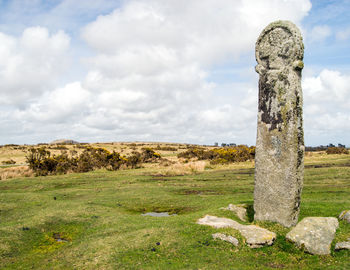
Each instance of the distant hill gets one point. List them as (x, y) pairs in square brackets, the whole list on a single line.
[(64, 141)]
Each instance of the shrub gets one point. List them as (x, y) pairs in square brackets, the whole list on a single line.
[(134, 160), (337, 150), (149, 155), (97, 158), (220, 155), (115, 161), (194, 152), (42, 163)]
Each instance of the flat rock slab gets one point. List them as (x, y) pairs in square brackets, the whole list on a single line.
[(255, 236), (239, 209), (315, 234), (342, 245), (345, 215), (227, 238)]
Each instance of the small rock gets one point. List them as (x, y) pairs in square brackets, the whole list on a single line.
[(342, 245), (227, 238), (217, 222), (255, 236), (345, 215), (315, 234), (239, 210)]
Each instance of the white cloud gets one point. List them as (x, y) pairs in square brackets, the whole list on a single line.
[(60, 105), (326, 106), (30, 64), (343, 34), (319, 33), (328, 86), (202, 31), (153, 57), (148, 78)]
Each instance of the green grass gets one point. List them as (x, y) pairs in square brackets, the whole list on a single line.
[(98, 215)]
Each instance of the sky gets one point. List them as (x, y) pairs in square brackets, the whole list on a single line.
[(162, 70)]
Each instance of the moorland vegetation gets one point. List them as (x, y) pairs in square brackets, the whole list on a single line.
[(93, 220)]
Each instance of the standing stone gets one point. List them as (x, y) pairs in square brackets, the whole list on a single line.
[(279, 159)]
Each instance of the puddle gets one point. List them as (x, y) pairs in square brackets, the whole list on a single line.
[(59, 238), (158, 214)]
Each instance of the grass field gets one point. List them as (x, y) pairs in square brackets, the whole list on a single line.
[(94, 221)]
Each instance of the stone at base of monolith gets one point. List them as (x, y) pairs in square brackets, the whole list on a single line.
[(239, 209), (314, 234), (345, 215), (279, 155), (342, 245), (226, 238), (255, 236)]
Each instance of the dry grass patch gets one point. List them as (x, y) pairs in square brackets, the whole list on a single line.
[(184, 168), (14, 172)]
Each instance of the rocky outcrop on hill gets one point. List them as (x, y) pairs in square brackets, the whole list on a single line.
[(64, 141)]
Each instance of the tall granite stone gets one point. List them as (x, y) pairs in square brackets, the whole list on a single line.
[(279, 158)]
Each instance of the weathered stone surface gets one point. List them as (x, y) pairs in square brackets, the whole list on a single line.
[(315, 234), (279, 158), (345, 215), (255, 236), (342, 245), (64, 141), (239, 210), (227, 238), (217, 222)]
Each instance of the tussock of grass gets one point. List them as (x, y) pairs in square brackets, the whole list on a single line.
[(180, 168), (15, 172)]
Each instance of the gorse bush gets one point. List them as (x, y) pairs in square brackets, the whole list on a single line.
[(220, 155), (337, 150), (42, 163), (96, 158), (149, 155)]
